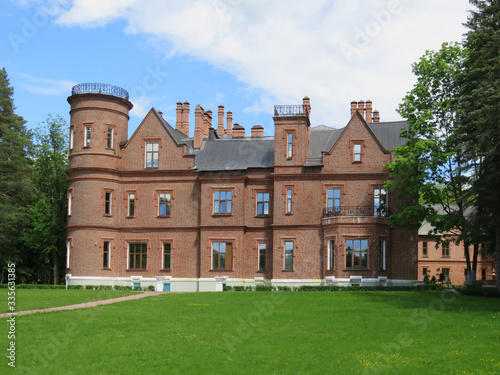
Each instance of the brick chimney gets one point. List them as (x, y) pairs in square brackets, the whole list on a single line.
[(160, 113), (238, 131), (368, 111), (361, 108), (306, 102), (178, 120), (354, 106), (208, 121), (376, 116), (257, 131), (198, 126), (229, 122), (220, 125), (185, 118)]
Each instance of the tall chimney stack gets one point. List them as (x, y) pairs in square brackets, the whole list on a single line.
[(220, 125), (361, 108), (369, 112), (354, 105), (376, 116), (306, 102), (198, 126), (178, 121), (229, 122), (185, 118)]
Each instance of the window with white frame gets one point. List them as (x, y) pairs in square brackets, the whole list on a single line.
[(70, 202), (289, 192), (71, 137), (68, 252), (356, 152), (88, 136), (152, 154), (289, 245), (262, 256), (108, 196), (331, 254), (262, 204), (289, 145), (131, 205), (380, 202), (106, 254)]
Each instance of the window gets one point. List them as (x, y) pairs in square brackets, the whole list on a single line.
[(424, 273), (289, 200), (71, 137), (262, 256), (106, 252), (333, 200), (356, 153), (163, 204), (331, 254), (356, 253), (131, 204), (107, 202), (382, 255), (262, 204), (70, 202), (68, 251), (88, 134), (424, 249), (446, 274), (137, 255), (222, 253), (223, 201), (380, 202), (483, 273), (288, 255), (109, 138), (152, 152), (289, 145), (167, 254), (445, 249)]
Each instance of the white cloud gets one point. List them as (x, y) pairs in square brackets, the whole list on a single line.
[(331, 51), (45, 86)]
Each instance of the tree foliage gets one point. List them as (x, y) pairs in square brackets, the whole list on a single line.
[(15, 170), (480, 111)]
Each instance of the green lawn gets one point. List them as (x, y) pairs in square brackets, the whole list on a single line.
[(34, 299), (430, 332)]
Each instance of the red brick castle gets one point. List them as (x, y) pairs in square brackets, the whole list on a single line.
[(182, 213)]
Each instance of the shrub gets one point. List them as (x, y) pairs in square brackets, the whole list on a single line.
[(151, 288), (239, 288), (264, 288), (284, 289), (479, 291), (228, 288)]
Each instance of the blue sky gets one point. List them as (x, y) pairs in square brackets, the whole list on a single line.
[(247, 55)]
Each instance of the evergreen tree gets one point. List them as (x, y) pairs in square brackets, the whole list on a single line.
[(480, 106), (15, 184)]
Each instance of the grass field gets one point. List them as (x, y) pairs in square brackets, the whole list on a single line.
[(429, 332), (34, 299)]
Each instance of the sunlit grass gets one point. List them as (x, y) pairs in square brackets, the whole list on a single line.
[(268, 333)]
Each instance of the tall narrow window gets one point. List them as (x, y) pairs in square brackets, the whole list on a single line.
[(262, 256), (331, 254), (223, 200), (262, 204), (107, 202), (131, 204), (289, 200), (152, 152), (289, 145), (356, 152), (356, 253), (380, 202), (222, 255), (425, 249), (138, 255), (445, 247), (424, 273), (88, 135), (71, 137), (109, 138), (288, 255), (483, 274), (70, 202), (163, 204), (382, 255), (167, 254), (106, 254), (446, 274), (68, 252), (333, 200)]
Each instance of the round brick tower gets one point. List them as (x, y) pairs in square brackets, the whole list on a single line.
[(99, 123)]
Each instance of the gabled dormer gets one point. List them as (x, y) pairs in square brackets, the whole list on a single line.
[(292, 130)]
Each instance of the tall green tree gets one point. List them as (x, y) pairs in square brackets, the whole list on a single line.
[(430, 170), (15, 184), (480, 106), (48, 210)]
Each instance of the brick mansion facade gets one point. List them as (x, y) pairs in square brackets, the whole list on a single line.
[(305, 206)]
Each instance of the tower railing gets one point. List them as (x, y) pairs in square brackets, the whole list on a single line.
[(290, 110), (99, 88)]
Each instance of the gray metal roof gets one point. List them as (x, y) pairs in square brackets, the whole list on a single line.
[(387, 133), (235, 154), (323, 138)]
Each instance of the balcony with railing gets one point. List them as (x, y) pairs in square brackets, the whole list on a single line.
[(99, 88), (356, 211), (290, 110)]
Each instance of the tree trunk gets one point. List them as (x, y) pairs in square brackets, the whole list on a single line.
[(474, 264), (497, 250), (467, 262)]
